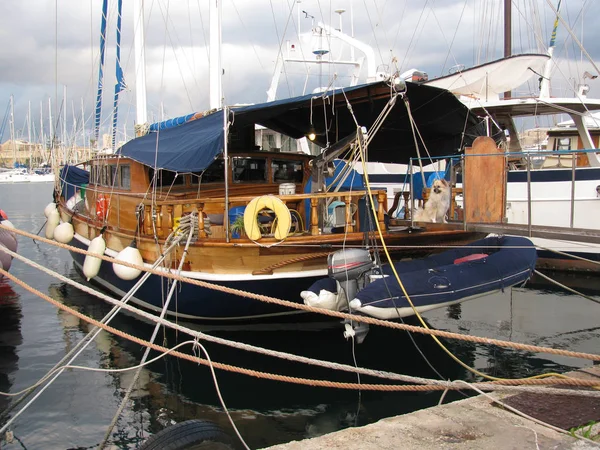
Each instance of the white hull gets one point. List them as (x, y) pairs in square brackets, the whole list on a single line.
[(22, 176)]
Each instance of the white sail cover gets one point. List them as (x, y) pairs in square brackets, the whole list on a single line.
[(488, 80)]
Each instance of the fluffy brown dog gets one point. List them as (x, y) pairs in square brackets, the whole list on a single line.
[(437, 204)]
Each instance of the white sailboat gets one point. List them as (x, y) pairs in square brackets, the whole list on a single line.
[(559, 187)]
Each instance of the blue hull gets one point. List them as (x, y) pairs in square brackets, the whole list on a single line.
[(479, 268), (199, 303), (441, 278)]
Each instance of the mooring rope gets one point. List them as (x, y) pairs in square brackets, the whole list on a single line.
[(85, 341), (337, 314), (566, 288), (186, 229), (432, 384), (287, 262), (558, 252)]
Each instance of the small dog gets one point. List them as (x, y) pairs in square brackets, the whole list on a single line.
[(437, 204)]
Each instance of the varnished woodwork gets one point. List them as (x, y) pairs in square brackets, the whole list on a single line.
[(211, 253), (484, 182)]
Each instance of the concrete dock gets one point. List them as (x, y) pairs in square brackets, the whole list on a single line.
[(474, 423)]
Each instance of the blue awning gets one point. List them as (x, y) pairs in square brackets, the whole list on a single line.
[(444, 123), (190, 147)]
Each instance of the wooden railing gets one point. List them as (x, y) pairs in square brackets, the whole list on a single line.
[(167, 211)]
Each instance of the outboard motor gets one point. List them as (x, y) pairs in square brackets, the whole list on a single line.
[(347, 267)]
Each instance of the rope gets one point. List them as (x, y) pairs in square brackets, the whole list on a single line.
[(567, 288), (527, 416), (272, 267), (192, 220), (504, 385), (337, 314), (87, 339), (418, 315), (558, 252)]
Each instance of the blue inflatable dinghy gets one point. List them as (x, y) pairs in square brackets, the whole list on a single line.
[(481, 268)]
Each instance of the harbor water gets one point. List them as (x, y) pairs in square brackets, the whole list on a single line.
[(75, 411)]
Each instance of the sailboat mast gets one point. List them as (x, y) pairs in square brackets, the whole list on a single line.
[(101, 71), (545, 80), (120, 81), (29, 133), (64, 130), (12, 129), (140, 68), (507, 34), (216, 69), (41, 136), (51, 131)]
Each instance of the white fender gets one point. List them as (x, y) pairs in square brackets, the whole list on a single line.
[(48, 209), (52, 223), (130, 255), (8, 239), (326, 300), (91, 264), (64, 233)]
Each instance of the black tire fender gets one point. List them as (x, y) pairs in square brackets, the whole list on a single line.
[(190, 435)]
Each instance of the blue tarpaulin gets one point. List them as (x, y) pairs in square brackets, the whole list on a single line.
[(191, 147), (73, 178), (440, 117)]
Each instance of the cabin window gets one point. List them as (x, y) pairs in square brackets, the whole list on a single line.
[(125, 178), (287, 171), (104, 176), (213, 173), (253, 170), (562, 143), (167, 178), (113, 180)]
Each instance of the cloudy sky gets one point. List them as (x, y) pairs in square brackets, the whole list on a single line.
[(49, 44)]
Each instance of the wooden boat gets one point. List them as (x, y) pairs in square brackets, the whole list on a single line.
[(141, 193), (480, 268)]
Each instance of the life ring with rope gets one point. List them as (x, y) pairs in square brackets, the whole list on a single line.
[(275, 204), (102, 206)]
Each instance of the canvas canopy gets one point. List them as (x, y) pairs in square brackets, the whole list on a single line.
[(444, 123)]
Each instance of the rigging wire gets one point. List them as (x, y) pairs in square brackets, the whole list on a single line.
[(453, 38)]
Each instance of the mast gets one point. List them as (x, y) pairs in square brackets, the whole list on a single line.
[(100, 71), (215, 64), (64, 130), (29, 133), (42, 137), (545, 80), (83, 132), (12, 129), (51, 130), (140, 68), (120, 81), (507, 34)]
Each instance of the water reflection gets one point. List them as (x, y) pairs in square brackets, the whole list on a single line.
[(10, 338), (269, 412)]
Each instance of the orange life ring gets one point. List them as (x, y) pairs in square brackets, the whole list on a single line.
[(102, 205)]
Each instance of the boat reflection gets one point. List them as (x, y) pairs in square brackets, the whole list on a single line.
[(270, 412), (10, 339)]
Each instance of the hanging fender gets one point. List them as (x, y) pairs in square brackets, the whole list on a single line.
[(284, 218), (102, 206)]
